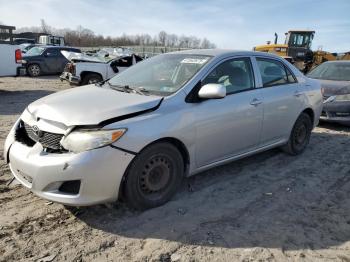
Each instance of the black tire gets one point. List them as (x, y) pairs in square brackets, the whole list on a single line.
[(300, 135), (34, 70), (91, 78), (154, 176)]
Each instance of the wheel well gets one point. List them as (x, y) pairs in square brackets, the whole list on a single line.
[(85, 73), (310, 113), (180, 146), (34, 63)]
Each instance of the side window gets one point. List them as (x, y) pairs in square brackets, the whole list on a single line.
[(51, 52), (125, 61), (235, 74), (274, 73)]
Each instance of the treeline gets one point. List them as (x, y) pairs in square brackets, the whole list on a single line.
[(85, 37)]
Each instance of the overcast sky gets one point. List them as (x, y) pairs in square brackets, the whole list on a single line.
[(235, 24)]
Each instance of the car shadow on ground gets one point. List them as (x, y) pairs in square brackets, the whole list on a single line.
[(334, 126), (19, 100), (269, 200)]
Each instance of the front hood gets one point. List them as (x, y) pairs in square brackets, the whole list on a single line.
[(333, 88), (82, 57), (90, 105)]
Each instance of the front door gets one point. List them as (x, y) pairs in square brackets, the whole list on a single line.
[(229, 126)]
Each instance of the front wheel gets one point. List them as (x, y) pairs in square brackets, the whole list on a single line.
[(300, 135), (154, 176)]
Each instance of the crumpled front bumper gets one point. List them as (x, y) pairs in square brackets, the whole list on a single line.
[(99, 171), (72, 79), (336, 111)]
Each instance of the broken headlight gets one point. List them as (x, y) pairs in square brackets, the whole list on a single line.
[(87, 139)]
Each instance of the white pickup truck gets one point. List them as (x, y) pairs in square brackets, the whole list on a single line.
[(84, 69), (10, 60)]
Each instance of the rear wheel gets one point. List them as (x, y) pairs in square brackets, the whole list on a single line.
[(300, 136), (34, 70), (154, 176), (91, 78)]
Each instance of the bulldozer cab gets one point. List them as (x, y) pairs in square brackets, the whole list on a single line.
[(299, 47), (300, 39)]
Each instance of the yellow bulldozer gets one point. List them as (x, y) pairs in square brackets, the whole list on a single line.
[(297, 50)]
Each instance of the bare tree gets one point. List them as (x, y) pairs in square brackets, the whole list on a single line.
[(85, 37), (162, 37), (45, 28)]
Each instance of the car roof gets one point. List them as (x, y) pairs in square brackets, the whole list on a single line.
[(224, 52), (338, 62), (59, 47)]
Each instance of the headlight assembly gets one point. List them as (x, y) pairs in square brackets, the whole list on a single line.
[(87, 139), (343, 98), (338, 98)]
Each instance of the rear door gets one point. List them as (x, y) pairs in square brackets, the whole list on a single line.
[(62, 60), (51, 60), (283, 99), (229, 126)]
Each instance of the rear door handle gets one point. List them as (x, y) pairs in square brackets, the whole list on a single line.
[(255, 102), (298, 93)]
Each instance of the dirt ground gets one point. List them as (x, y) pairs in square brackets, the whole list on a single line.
[(268, 207)]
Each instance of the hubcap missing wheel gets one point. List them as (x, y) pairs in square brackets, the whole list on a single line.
[(155, 175)]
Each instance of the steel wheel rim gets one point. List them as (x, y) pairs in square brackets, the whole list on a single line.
[(301, 135), (156, 176)]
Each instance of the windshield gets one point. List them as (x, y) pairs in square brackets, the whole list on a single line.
[(331, 71), (35, 50), (162, 74), (301, 39)]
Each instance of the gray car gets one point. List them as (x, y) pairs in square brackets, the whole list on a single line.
[(335, 81), (139, 134)]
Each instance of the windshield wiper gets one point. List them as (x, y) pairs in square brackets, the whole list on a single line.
[(117, 87), (128, 89)]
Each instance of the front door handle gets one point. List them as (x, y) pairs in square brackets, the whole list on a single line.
[(298, 93), (255, 102)]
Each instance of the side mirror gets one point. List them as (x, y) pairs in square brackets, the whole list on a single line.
[(212, 91)]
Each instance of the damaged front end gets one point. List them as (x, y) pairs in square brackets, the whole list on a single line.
[(337, 109), (57, 162)]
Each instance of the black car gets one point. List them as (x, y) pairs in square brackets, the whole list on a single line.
[(44, 60), (335, 81)]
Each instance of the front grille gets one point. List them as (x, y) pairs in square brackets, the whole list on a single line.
[(31, 134)]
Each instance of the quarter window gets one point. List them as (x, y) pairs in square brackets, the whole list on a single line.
[(235, 74), (274, 73)]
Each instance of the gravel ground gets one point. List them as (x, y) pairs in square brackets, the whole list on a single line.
[(268, 207)]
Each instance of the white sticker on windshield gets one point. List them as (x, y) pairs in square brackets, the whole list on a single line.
[(194, 61)]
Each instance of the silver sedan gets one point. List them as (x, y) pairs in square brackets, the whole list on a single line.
[(139, 134)]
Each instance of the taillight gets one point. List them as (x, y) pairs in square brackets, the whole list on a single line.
[(18, 56)]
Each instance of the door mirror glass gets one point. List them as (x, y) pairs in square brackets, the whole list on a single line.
[(212, 91)]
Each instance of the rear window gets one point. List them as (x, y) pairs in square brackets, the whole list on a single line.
[(36, 50), (274, 73)]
